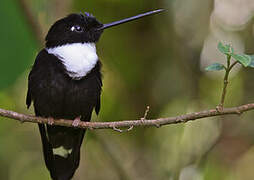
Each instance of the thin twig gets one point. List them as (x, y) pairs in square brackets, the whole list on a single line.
[(225, 84), (130, 123), (118, 130), (146, 112), (224, 91), (232, 65)]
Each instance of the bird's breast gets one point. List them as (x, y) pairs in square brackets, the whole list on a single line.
[(78, 58)]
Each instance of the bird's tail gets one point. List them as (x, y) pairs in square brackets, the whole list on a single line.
[(61, 166)]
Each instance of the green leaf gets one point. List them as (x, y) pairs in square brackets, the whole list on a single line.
[(231, 49), (244, 59), (215, 67), (252, 61), (225, 49)]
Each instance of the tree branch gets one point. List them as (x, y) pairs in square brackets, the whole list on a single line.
[(129, 123)]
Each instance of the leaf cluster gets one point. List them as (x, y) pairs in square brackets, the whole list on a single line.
[(243, 59)]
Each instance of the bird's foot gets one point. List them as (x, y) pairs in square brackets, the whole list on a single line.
[(50, 121), (76, 121)]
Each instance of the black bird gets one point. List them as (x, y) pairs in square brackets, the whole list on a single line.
[(65, 82)]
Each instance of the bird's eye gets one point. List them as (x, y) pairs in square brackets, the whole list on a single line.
[(76, 28)]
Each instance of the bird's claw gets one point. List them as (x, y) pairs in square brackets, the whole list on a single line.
[(50, 121), (76, 121)]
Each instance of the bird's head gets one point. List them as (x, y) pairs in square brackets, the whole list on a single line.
[(82, 28), (75, 28)]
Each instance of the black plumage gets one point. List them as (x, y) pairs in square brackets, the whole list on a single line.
[(57, 95), (60, 33), (65, 82)]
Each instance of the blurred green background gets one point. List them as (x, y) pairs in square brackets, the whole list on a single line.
[(157, 61)]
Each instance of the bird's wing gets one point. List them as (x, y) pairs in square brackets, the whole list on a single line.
[(99, 82), (98, 106), (28, 98), (40, 64)]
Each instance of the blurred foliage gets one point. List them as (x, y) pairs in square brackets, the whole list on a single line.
[(157, 61), (17, 44)]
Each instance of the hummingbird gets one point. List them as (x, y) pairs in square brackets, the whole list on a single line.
[(65, 82)]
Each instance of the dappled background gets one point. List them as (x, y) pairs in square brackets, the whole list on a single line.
[(157, 61)]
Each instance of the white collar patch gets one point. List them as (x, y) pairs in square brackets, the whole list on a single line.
[(78, 58)]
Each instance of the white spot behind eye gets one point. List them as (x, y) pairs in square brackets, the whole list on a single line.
[(76, 28), (72, 28)]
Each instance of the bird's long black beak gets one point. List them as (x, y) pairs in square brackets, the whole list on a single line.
[(105, 26)]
